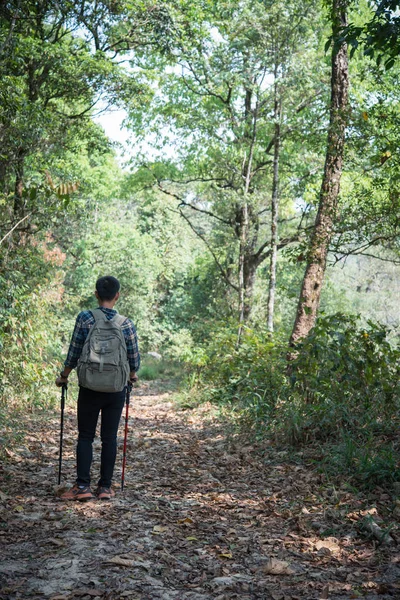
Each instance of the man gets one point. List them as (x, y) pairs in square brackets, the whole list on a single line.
[(91, 401)]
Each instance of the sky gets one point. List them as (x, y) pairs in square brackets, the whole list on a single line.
[(111, 121)]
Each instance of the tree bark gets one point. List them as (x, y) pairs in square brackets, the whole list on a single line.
[(244, 296), (274, 219), (250, 270), (316, 260), (18, 208), (244, 224)]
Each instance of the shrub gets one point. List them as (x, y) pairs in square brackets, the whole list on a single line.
[(152, 369), (346, 376), (342, 392)]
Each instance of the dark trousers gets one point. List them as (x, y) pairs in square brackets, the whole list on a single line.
[(90, 404)]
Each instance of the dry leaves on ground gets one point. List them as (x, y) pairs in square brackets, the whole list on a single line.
[(203, 516)]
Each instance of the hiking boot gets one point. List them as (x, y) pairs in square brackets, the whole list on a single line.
[(78, 492), (104, 493)]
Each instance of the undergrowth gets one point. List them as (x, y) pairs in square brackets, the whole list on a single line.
[(152, 369), (341, 394)]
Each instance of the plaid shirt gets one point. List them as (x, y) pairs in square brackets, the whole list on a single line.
[(84, 321)]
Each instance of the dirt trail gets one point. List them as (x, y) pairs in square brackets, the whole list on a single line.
[(202, 516)]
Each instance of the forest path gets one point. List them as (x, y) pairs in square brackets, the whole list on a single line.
[(202, 517)]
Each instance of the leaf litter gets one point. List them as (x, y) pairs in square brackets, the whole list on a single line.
[(203, 515)]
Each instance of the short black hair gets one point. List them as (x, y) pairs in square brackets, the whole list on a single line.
[(107, 287)]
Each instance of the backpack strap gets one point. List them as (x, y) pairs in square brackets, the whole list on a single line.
[(119, 319), (98, 314)]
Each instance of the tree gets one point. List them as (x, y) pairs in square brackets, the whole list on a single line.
[(243, 79), (310, 293), (50, 82)]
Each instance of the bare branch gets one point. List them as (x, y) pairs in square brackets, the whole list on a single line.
[(345, 256), (182, 202), (195, 179), (361, 250), (201, 236), (308, 101), (15, 227), (205, 86), (261, 166), (207, 212), (261, 256)]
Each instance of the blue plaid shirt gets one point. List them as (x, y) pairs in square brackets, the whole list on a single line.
[(84, 321)]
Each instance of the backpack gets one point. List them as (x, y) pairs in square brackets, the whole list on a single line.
[(103, 365)]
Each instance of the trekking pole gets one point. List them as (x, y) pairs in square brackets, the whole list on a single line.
[(128, 394), (64, 388)]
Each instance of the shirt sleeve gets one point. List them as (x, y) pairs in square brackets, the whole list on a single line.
[(132, 346), (77, 340)]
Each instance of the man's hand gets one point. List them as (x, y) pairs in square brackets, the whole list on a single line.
[(133, 377), (60, 381)]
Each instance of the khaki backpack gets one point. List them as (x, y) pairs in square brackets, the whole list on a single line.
[(103, 365)]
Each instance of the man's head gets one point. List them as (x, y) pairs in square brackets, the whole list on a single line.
[(107, 288)]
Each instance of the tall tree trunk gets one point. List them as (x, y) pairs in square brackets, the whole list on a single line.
[(18, 208), (244, 224), (244, 305), (250, 270), (274, 217), (316, 261)]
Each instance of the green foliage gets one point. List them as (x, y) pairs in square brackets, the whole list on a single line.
[(343, 393), (345, 381), (341, 360), (369, 201), (372, 459), (238, 62), (250, 379), (143, 243), (30, 328), (153, 369), (379, 35)]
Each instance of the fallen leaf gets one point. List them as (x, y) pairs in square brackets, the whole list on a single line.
[(226, 555), (57, 542), (328, 543), (277, 567), (123, 562), (91, 592), (159, 529), (229, 580), (186, 521), (13, 455), (128, 562)]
